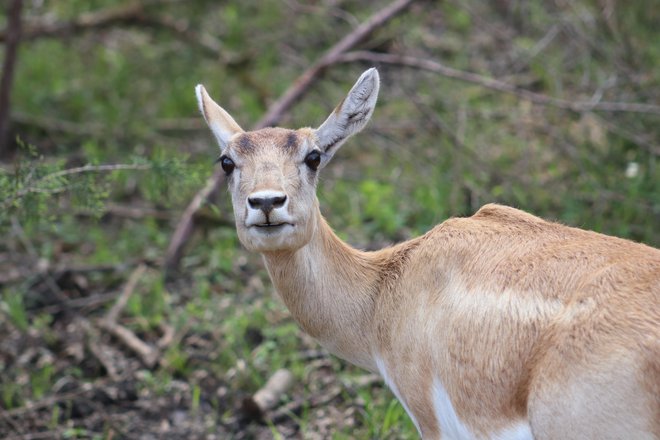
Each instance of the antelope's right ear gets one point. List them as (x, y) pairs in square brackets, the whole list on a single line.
[(351, 115), (219, 121)]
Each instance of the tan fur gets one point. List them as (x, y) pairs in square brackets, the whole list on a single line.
[(520, 319)]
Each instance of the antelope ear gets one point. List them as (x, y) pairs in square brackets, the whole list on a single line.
[(219, 121), (351, 115)]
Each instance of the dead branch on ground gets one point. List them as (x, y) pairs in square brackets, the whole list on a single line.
[(126, 293), (267, 397), (148, 354)]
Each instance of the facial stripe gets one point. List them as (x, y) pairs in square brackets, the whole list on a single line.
[(291, 141), (244, 144)]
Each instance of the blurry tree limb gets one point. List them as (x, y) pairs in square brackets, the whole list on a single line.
[(130, 13), (331, 56), (83, 129), (134, 13), (297, 89), (184, 228), (124, 14), (497, 85), (13, 37), (59, 125)]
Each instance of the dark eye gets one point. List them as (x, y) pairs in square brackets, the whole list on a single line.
[(227, 164), (313, 160)]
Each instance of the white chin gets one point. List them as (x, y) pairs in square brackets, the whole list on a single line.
[(270, 238)]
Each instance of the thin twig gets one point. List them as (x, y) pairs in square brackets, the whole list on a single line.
[(88, 168), (34, 186), (126, 293), (148, 354), (94, 347), (295, 406), (298, 88), (497, 85)]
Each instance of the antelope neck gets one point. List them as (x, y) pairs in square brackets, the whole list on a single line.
[(330, 289)]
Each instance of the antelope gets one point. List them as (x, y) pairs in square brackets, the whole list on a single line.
[(500, 325)]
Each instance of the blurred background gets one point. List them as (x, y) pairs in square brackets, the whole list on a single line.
[(548, 106)]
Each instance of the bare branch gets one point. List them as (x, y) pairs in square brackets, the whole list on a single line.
[(148, 354), (130, 13), (185, 226), (88, 168), (302, 83), (126, 293), (133, 13), (500, 86)]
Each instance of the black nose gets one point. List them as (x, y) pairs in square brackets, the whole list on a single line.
[(266, 204)]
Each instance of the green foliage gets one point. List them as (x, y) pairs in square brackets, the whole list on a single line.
[(33, 188), (41, 380), (12, 305)]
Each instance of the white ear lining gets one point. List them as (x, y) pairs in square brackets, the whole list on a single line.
[(199, 90), (220, 122), (351, 115)]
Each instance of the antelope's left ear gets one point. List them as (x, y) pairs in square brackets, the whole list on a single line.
[(351, 115), (220, 122)]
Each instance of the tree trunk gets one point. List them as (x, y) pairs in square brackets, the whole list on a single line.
[(11, 47)]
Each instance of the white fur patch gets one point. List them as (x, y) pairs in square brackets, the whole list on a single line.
[(380, 364), (453, 428), (450, 426), (519, 431)]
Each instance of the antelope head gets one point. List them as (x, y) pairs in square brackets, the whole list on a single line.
[(272, 173)]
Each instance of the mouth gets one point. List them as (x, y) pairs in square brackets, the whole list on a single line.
[(270, 227)]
